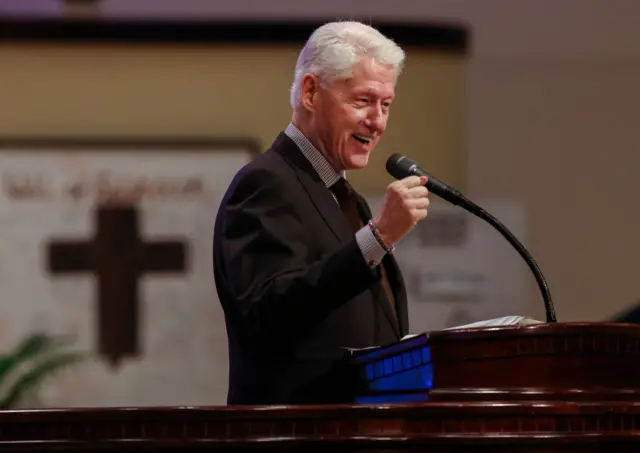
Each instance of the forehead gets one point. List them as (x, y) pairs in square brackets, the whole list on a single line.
[(369, 75)]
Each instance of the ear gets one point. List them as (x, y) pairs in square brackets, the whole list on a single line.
[(308, 90)]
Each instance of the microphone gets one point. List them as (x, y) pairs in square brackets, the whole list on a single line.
[(400, 167)]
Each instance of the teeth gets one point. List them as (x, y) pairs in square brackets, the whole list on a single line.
[(364, 139)]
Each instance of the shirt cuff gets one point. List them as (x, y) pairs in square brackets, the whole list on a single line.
[(371, 249)]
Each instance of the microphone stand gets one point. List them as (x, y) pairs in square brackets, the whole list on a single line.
[(476, 210)]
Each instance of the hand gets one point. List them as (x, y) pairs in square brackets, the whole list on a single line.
[(405, 204)]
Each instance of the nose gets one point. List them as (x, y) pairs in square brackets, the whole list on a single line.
[(376, 119)]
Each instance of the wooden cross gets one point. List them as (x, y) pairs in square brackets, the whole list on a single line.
[(118, 257)]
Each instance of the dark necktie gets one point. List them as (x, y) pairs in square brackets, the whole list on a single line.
[(348, 201)]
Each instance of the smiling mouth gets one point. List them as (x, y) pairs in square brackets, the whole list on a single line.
[(361, 139)]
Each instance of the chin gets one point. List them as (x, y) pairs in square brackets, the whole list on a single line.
[(358, 161)]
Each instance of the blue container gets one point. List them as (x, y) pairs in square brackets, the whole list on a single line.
[(402, 372)]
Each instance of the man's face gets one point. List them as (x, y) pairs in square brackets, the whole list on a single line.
[(349, 117)]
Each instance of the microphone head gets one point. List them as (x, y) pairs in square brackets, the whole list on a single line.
[(399, 166)]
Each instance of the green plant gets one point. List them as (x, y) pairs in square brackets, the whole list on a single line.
[(34, 359)]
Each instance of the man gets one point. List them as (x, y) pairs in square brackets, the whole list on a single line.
[(301, 268)]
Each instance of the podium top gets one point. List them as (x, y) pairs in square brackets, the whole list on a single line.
[(558, 328), (532, 338)]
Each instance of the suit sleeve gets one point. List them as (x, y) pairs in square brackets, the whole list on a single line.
[(264, 255)]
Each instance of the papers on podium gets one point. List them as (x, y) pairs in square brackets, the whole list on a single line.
[(503, 321)]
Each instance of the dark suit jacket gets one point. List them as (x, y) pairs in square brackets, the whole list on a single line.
[(294, 286)]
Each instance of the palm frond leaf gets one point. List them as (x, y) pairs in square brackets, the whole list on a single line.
[(32, 378), (30, 347)]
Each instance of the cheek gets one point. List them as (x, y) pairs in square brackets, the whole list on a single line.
[(383, 122), (345, 121), (354, 117)]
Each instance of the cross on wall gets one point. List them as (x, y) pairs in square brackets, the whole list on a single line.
[(118, 257)]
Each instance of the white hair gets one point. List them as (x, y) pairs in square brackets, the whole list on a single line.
[(334, 48)]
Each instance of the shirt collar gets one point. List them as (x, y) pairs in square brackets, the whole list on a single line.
[(325, 170)]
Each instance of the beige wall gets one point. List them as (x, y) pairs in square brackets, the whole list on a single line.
[(562, 138), (237, 91)]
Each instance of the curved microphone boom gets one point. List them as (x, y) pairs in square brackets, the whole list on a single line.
[(400, 167)]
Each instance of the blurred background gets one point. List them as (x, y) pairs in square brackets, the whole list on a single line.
[(123, 122)]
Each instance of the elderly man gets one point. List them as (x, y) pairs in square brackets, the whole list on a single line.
[(302, 268)]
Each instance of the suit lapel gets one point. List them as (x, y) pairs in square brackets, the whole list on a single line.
[(320, 196)]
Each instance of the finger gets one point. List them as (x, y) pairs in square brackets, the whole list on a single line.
[(418, 191), (413, 181), (418, 203), (398, 186), (419, 214), (422, 203)]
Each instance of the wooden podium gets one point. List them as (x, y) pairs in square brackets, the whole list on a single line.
[(551, 362), (539, 388)]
